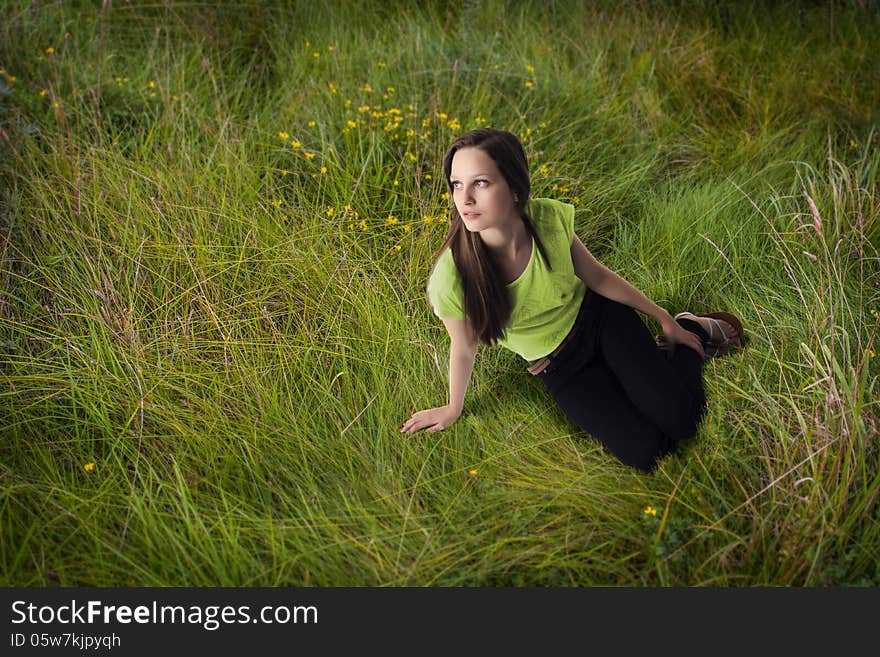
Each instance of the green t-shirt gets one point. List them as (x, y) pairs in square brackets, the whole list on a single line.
[(544, 303)]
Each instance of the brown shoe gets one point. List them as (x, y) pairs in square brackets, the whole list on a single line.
[(725, 331)]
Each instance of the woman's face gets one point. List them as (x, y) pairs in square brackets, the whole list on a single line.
[(481, 194)]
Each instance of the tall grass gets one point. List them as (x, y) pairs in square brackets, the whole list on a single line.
[(217, 226)]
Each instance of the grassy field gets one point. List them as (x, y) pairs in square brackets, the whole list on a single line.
[(216, 226)]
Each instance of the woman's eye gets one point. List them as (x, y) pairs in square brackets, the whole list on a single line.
[(483, 183), (456, 185)]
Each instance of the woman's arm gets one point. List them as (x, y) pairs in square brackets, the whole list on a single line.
[(607, 283), (461, 365), (462, 353), (604, 281)]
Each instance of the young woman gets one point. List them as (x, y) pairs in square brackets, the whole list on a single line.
[(511, 271)]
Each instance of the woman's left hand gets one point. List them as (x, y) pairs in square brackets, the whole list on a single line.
[(675, 333)]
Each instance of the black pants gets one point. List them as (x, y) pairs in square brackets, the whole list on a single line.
[(615, 383)]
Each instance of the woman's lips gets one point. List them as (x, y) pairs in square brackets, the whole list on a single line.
[(471, 215)]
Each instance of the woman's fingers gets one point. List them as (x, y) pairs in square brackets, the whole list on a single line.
[(431, 419), (414, 423), (693, 341)]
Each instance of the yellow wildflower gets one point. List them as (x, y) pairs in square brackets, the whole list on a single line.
[(277, 202), (351, 124), (42, 92), (472, 472), (332, 87), (445, 196), (311, 124), (407, 228), (316, 54), (323, 170), (650, 511), (330, 211), (309, 155), (871, 353), (853, 144), (530, 68), (50, 50), (89, 467), (295, 143), (397, 247), (151, 84), (367, 88), (283, 135), (56, 105), (391, 220), (529, 84)]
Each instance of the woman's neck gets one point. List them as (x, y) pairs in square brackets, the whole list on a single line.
[(507, 244)]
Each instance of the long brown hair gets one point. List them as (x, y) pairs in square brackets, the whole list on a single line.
[(486, 299)]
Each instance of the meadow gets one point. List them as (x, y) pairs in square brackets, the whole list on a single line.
[(216, 226)]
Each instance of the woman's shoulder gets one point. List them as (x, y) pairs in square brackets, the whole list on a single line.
[(444, 271), (548, 208), (445, 291), (551, 217)]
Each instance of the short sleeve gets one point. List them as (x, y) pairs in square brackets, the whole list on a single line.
[(445, 292), (566, 211), (554, 221)]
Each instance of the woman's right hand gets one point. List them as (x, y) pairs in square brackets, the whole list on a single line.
[(432, 419)]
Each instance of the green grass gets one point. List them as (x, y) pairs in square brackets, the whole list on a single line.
[(232, 326)]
